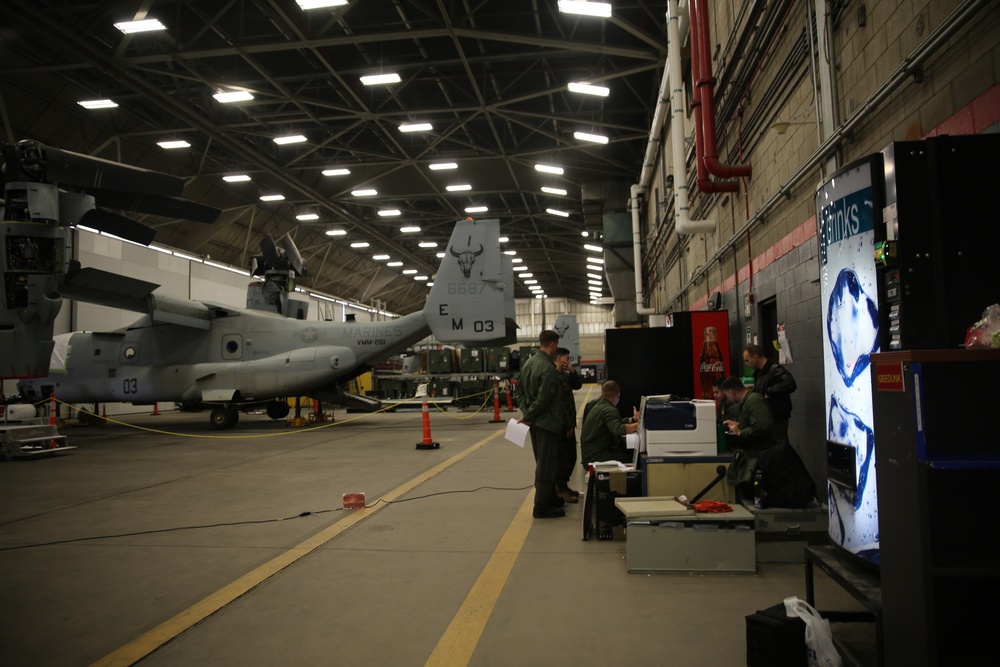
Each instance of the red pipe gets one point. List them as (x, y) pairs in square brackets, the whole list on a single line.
[(705, 84), (705, 183)]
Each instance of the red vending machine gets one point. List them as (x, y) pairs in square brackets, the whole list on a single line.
[(682, 358)]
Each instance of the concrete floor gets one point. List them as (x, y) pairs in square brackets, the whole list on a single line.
[(382, 592)]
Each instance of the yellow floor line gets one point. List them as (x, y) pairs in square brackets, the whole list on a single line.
[(456, 645), (142, 646)]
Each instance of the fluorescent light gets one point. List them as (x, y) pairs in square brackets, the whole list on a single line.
[(336, 232), (376, 79), (364, 193), (319, 4), (526, 275), (510, 252), (504, 239), (594, 276), (97, 104), (516, 260), (339, 171), (593, 138), (360, 244), (585, 233), (428, 244), (593, 248), (555, 211), (594, 268), (147, 25), (179, 143), (388, 212), (531, 282), (380, 258), (236, 178), (420, 277), (438, 166), (409, 272), (458, 188), (416, 127), (409, 230), (290, 139), (595, 282), (549, 169), (272, 197), (307, 216), (394, 264), (595, 260), (553, 191), (599, 9), (589, 89), (476, 209), (233, 96), (539, 296), (523, 268), (439, 255)]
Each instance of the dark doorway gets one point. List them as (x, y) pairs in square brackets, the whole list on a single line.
[(767, 311)]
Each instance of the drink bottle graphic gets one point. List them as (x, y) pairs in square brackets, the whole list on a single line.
[(710, 365)]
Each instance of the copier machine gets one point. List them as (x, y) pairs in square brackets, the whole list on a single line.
[(677, 427)]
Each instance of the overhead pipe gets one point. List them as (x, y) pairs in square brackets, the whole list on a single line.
[(704, 85)]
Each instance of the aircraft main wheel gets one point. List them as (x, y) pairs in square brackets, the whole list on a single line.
[(220, 418), (277, 409), (234, 417)]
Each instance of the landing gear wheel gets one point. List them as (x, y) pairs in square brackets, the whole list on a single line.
[(277, 409), (222, 418), (234, 417)]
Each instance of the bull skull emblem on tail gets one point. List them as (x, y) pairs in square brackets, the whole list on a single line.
[(467, 258)]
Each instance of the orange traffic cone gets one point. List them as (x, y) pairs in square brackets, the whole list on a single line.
[(156, 409), (53, 421), (496, 404), (427, 442), (510, 400)]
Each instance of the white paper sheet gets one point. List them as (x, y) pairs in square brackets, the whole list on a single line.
[(631, 440), (516, 433)]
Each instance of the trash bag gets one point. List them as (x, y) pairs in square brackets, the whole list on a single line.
[(786, 478), (819, 638)]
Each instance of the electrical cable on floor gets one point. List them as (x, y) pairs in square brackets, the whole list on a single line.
[(258, 521)]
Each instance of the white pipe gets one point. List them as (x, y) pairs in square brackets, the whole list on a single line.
[(640, 309)]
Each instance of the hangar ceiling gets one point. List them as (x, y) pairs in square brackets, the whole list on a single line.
[(491, 77)]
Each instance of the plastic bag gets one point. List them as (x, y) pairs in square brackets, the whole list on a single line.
[(985, 333), (819, 638)]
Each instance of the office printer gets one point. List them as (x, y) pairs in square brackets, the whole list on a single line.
[(677, 427)]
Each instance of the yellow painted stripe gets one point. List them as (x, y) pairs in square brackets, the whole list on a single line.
[(456, 645), (142, 646)]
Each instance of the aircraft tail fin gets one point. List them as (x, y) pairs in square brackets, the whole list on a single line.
[(473, 294)]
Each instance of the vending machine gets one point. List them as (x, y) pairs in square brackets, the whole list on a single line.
[(681, 359), (908, 239)]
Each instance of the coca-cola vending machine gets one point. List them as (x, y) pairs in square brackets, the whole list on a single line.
[(682, 358)]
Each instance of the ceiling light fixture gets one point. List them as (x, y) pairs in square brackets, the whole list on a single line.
[(416, 127), (409, 272), (233, 96), (549, 169), (553, 191), (526, 275), (530, 282), (595, 260), (319, 4), (476, 209), (593, 248), (371, 192), (236, 178), (593, 138), (336, 232), (427, 244), (290, 139), (380, 258), (337, 171), (438, 166), (591, 267), (516, 260), (360, 244), (594, 276), (394, 264), (458, 188), (272, 197), (555, 211), (584, 8), (589, 89), (420, 277), (504, 239), (510, 252), (307, 216), (540, 296), (388, 212), (378, 79), (595, 282), (409, 230), (439, 255), (179, 143), (98, 104), (146, 25)]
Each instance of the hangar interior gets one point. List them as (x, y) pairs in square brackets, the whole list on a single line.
[(693, 189)]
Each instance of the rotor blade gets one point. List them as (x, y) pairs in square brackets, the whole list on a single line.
[(107, 289), (293, 254), (156, 205), (270, 252), (68, 168), (113, 223)]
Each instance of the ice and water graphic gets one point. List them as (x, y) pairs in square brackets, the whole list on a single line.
[(852, 326)]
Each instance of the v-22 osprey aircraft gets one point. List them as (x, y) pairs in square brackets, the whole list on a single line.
[(201, 352)]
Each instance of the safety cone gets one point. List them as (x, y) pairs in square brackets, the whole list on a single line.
[(53, 421), (156, 409), (427, 442), (496, 404), (510, 400), (104, 415)]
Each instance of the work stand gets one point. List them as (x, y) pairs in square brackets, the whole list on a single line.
[(863, 585)]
